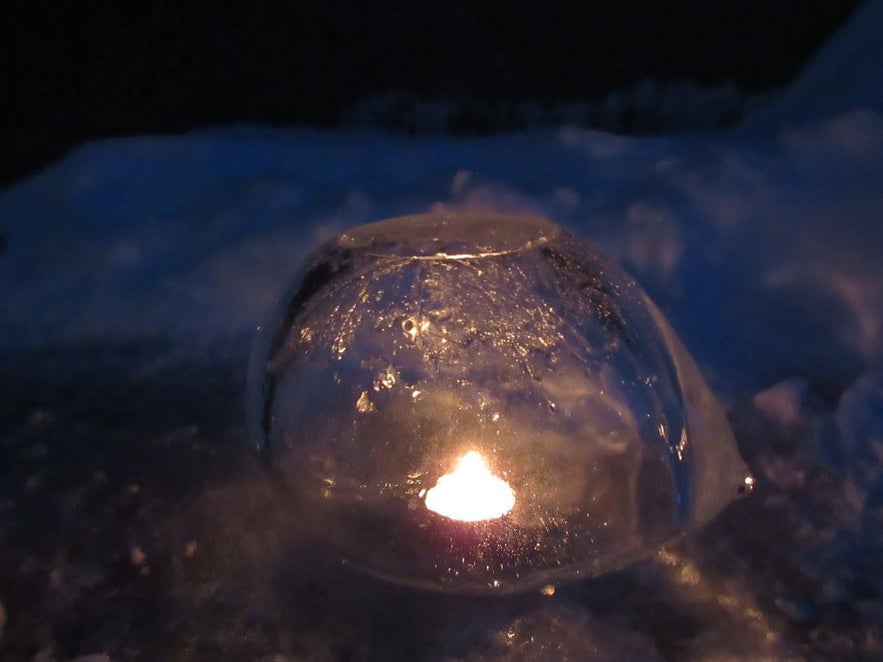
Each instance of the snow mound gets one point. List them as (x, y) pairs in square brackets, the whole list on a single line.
[(846, 74)]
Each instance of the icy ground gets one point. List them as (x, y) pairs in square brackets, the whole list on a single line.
[(134, 522)]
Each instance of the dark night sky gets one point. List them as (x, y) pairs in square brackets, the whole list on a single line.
[(81, 70)]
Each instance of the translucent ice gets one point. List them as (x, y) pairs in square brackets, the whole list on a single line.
[(484, 403)]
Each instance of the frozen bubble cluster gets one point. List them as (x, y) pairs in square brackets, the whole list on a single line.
[(482, 403)]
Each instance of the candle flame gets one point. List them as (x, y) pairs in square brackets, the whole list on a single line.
[(470, 493)]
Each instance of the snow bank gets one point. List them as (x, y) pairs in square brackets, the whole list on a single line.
[(847, 73), (765, 253)]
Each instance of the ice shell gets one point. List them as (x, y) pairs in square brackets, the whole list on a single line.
[(410, 342)]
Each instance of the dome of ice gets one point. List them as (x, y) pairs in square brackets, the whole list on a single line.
[(480, 403)]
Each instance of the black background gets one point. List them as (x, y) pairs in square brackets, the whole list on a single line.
[(82, 70)]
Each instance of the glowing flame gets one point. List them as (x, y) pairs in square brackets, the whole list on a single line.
[(470, 493)]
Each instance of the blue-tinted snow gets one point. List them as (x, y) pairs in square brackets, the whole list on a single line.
[(846, 73), (764, 245), (765, 253)]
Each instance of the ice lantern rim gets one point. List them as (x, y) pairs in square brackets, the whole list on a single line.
[(440, 237), (489, 235)]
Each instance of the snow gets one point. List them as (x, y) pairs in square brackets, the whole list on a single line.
[(643, 107), (765, 249), (859, 420), (782, 402), (190, 237), (846, 73), (761, 244)]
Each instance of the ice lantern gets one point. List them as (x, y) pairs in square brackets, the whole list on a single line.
[(483, 403)]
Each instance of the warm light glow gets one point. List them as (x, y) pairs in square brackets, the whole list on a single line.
[(470, 493)]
